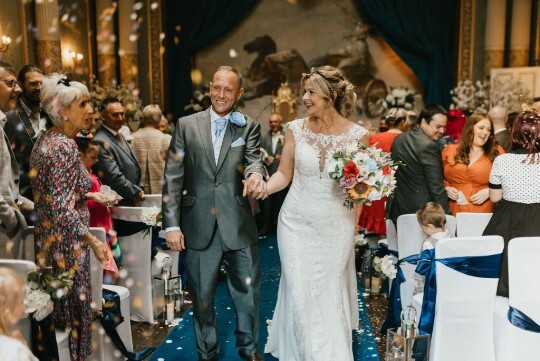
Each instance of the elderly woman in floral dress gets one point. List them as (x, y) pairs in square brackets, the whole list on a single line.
[(60, 183)]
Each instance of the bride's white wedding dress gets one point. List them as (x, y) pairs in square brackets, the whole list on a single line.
[(317, 306)]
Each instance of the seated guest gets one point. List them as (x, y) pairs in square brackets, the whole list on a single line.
[(432, 220), (100, 215), (12, 309), (513, 183), (150, 147), (499, 117), (117, 165), (60, 187), (12, 204), (26, 122), (467, 166)]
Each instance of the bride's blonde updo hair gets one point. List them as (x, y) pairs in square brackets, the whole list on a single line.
[(330, 83)]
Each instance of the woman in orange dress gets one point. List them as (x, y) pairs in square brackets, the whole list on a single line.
[(467, 166), (372, 217)]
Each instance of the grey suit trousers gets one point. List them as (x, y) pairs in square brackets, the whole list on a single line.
[(243, 282)]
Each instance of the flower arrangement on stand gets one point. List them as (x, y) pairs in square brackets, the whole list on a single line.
[(43, 289), (509, 94), (128, 96), (365, 174), (152, 216), (401, 97), (471, 97)]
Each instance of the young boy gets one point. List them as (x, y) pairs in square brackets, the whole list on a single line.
[(432, 220)]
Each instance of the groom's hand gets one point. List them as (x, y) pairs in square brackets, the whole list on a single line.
[(175, 240), (255, 186)]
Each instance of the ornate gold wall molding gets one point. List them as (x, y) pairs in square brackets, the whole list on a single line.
[(466, 40), (519, 57), (128, 69), (107, 69), (155, 53), (49, 55), (493, 59)]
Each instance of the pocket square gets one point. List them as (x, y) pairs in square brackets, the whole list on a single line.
[(238, 142)]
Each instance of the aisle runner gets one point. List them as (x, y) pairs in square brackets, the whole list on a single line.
[(179, 345)]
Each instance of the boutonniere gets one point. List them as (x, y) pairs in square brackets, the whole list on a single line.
[(280, 138), (239, 119)]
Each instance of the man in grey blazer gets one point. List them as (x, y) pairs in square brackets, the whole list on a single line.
[(117, 165), (420, 179), (12, 221), (214, 158)]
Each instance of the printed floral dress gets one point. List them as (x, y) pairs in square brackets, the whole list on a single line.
[(59, 182)]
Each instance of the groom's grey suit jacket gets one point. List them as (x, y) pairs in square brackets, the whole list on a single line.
[(197, 192)]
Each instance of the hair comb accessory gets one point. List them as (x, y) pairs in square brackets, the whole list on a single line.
[(64, 81), (84, 135)]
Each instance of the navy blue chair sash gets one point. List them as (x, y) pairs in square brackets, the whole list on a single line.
[(521, 320), (476, 266)]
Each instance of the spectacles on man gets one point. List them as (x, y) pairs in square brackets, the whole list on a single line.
[(12, 83)]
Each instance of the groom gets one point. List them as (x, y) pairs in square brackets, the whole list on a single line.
[(204, 212)]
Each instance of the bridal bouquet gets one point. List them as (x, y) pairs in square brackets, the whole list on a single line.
[(43, 288), (365, 174)]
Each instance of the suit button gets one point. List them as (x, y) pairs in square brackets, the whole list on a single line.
[(217, 184), (16, 181)]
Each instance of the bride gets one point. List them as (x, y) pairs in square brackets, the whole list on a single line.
[(317, 306)]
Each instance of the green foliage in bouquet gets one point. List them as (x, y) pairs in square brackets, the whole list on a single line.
[(56, 285)]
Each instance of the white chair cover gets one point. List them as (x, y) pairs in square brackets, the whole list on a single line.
[(28, 244), (124, 329), (471, 224), (410, 238), (391, 235), (140, 270), (511, 342), (152, 200), (463, 328)]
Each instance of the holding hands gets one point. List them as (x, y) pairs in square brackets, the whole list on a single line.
[(255, 187)]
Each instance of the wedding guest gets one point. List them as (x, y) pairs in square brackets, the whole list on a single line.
[(12, 204), (499, 117), (12, 309), (513, 184), (272, 143), (432, 220), (456, 122), (26, 122), (373, 218), (60, 187), (100, 215), (467, 165), (421, 180), (150, 147), (117, 166)]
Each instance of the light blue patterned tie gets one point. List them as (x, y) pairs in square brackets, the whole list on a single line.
[(220, 125)]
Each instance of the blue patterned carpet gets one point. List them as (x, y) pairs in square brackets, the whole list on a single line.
[(179, 345)]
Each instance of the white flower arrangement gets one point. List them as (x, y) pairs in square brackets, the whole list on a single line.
[(360, 240), (38, 302), (151, 216), (43, 288), (471, 96), (509, 94), (385, 266), (401, 97)]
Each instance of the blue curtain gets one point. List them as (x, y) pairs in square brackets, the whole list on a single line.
[(423, 34), (193, 25)]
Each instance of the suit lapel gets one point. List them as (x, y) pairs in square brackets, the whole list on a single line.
[(203, 123), (124, 147), (227, 141), (25, 120)]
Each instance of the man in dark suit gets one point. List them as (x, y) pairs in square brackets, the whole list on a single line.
[(499, 118), (26, 122), (420, 179), (212, 153), (272, 143), (117, 165)]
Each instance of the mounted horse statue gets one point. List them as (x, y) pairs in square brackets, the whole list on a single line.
[(261, 79), (289, 63)]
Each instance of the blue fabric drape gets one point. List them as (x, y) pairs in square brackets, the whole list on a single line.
[(192, 26), (476, 266), (422, 33), (521, 320)]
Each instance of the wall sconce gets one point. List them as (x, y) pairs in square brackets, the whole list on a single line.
[(76, 57), (4, 45)]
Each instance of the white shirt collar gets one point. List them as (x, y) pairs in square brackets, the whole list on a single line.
[(214, 116), (441, 235), (109, 129), (3, 119)]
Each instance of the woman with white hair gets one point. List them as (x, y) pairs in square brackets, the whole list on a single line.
[(60, 183), (150, 147)]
